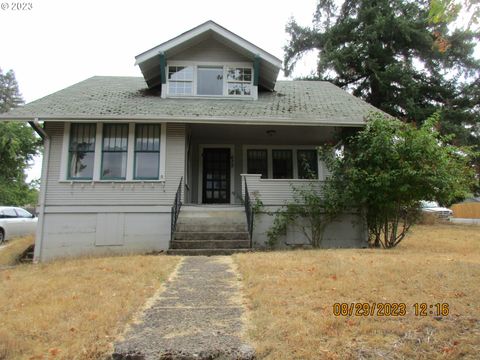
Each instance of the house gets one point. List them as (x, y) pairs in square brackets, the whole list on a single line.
[(207, 120)]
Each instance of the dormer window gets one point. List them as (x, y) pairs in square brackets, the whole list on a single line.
[(239, 81), (210, 80), (180, 80)]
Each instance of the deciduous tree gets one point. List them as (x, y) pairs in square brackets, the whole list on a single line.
[(18, 145), (386, 169)]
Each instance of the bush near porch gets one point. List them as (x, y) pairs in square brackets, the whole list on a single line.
[(291, 294)]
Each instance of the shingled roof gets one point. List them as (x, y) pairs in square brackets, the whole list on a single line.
[(126, 98)]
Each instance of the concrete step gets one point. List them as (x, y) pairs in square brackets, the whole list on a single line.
[(211, 235), (211, 220), (210, 244), (208, 227), (205, 252)]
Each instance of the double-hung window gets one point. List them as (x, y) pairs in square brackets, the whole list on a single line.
[(257, 162), (81, 151), (210, 80), (180, 80), (307, 164), (282, 164), (147, 151), (239, 81), (114, 151)]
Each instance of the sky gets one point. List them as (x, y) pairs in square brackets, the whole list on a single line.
[(52, 44)]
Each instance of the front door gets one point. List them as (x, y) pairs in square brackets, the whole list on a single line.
[(216, 176)]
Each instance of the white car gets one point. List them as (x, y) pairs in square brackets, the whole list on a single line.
[(432, 207), (15, 222)]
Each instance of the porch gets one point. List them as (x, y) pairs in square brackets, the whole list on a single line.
[(218, 155)]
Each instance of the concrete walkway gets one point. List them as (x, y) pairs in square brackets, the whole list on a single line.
[(199, 315)]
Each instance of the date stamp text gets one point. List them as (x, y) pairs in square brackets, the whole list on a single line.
[(390, 309)]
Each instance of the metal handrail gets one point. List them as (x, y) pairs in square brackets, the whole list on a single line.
[(177, 204), (249, 213)]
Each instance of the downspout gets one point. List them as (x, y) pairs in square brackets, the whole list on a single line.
[(43, 185)]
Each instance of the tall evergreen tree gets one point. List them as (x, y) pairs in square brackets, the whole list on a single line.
[(9, 93), (18, 145), (391, 54)]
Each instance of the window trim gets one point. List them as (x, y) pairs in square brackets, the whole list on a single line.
[(97, 165), (225, 65), (294, 148)]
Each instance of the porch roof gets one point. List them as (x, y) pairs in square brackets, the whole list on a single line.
[(106, 98)]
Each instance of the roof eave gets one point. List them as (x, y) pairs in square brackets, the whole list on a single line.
[(344, 122)]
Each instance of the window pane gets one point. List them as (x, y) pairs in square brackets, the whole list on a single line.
[(115, 137), (147, 137), (147, 165), (282, 164), (257, 162), (184, 73), (114, 165), (82, 137), (247, 75), (81, 164), (307, 164), (239, 89), (180, 88), (239, 74), (209, 81)]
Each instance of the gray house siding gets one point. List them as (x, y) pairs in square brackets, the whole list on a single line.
[(100, 193), (210, 49), (108, 217), (346, 231)]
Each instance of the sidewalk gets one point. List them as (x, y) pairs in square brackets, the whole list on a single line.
[(199, 315)]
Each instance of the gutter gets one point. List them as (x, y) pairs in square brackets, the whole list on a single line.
[(38, 128), (342, 121), (43, 191)]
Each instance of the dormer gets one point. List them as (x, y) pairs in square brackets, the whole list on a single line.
[(209, 61)]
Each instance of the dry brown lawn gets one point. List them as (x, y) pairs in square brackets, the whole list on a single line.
[(13, 248), (73, 309), (290, 297)]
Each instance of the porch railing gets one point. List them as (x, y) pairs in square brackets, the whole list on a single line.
[(177, 204), (249, 213)]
